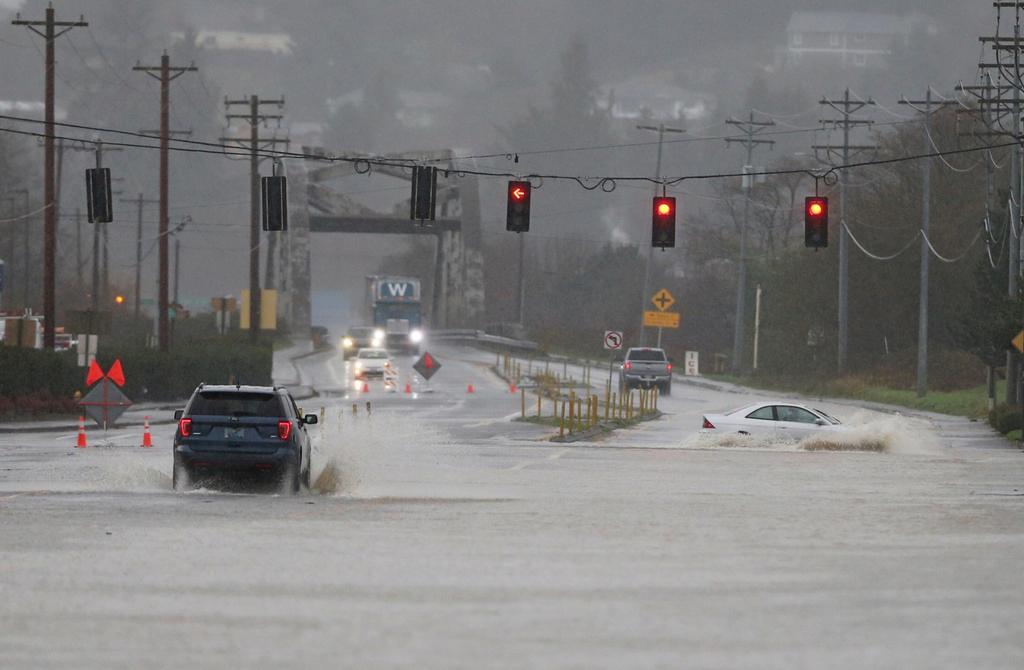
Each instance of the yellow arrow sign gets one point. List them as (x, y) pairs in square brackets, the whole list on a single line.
[(663, 300), (661, 319), (1018, 342)]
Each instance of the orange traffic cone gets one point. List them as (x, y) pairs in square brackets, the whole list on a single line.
[(81, 444), (470, 389), (366, 387), (408, 387), (147, 439)]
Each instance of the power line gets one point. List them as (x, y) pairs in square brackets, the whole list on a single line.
[(606, 183)]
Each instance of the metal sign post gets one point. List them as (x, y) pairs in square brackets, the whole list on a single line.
[(613, 342)]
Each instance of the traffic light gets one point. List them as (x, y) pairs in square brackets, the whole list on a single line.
[(275, 203), (517, 218), (99, 199), (816, 222), (663, 222), (119, 300), (423, 200)]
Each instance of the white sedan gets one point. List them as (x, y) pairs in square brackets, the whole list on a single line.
[(372, 363), (774, 420)]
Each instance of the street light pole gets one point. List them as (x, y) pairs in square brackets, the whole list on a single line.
[(661, 129)]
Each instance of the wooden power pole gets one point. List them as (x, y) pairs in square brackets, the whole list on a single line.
[(165, 74), (50, 33), (255, 119)]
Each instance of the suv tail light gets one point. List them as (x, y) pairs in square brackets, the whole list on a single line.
[(668, 367), (707, 424), (185, 427), (284, 429), (628, 365)]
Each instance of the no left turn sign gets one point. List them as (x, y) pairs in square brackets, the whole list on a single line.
[(613, 339)]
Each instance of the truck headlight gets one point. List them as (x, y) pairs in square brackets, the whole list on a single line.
[(347, 343), (416, 336)]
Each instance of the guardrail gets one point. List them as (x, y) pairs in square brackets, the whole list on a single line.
[(479, 336)]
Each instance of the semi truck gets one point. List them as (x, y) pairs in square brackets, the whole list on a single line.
[(394, 306)]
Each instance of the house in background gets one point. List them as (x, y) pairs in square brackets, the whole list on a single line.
[(849, 39), (655, 96)]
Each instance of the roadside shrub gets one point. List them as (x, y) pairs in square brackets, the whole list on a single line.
[(38, 382), (27, 371), (158, 376), (1005, 418), (37, 404)]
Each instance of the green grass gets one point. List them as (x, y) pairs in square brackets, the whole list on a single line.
[(1014, 435), (972, 403)]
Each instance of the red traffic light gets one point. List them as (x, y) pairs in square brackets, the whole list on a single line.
[(517, 218), (663, 224), (816, 222)]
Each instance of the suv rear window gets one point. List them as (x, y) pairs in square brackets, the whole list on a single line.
[(234, 403), (647, 355)]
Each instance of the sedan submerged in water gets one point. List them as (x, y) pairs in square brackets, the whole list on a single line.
[(773, 420)]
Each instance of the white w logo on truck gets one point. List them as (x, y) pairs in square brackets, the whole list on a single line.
[(397, 289)]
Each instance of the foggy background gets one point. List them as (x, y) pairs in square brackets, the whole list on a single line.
[(474, 76)]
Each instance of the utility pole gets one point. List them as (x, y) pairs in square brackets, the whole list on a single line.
[(661, 129), (927, 107), (750, 128), (101, 289), (50, 33), (1007, 66), (165, 73), (12, 240), (521, 300), (255, 118), (846, 107), (141, 202), (78, 246)]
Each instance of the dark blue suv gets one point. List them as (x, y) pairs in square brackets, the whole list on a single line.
[(241, 430)]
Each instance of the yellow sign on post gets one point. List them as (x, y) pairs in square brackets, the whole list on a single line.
[(1018, 342), (661, 319), (663, 300), (268, 310)]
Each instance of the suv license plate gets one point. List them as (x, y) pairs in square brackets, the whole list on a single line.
[(234, 433)]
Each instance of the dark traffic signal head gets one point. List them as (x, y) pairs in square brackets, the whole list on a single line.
[(663, 222), (518, 213), (816, 222)]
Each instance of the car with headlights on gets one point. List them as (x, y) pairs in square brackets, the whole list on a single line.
[(371, 363), (774, 420), (361, 337), (253, 431)]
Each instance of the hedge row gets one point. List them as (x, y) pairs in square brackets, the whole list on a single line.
[(24, 372), (151, 375)]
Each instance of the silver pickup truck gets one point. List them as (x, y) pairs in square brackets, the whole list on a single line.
[(646, 367)]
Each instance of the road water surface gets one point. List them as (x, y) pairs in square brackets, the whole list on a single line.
[(440, 533)]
